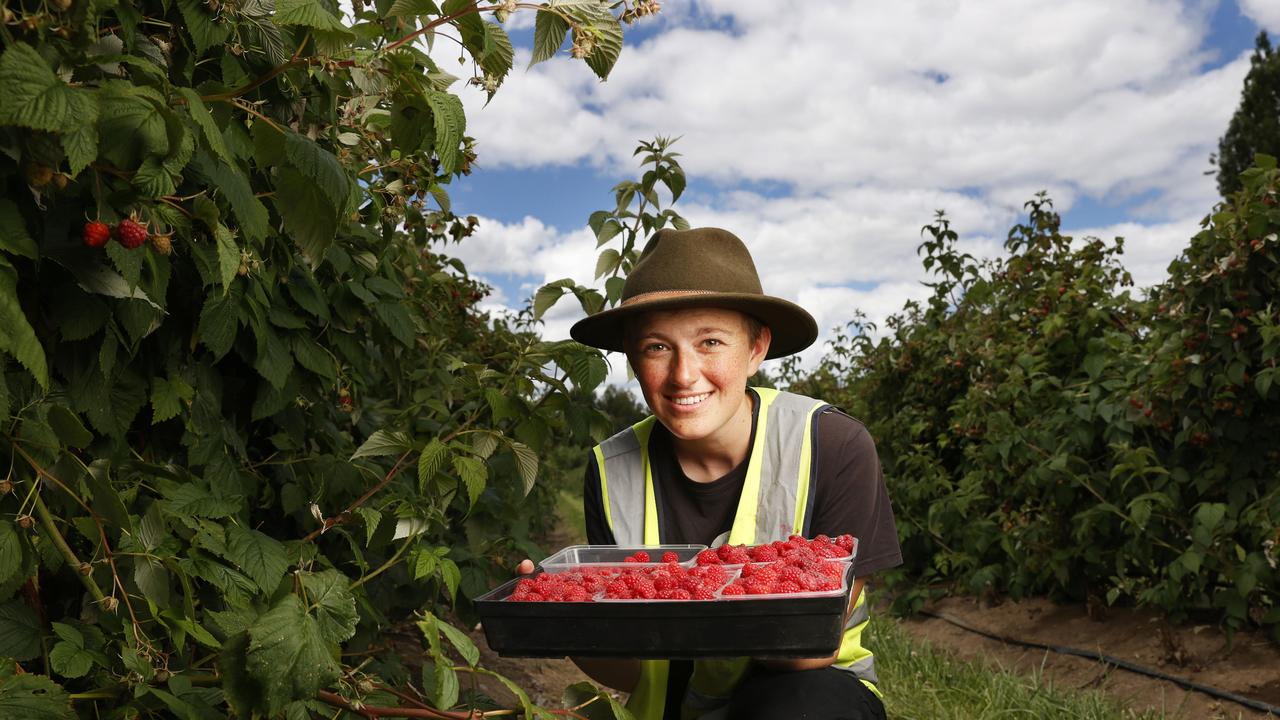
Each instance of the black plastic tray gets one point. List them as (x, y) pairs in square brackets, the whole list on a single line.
[(804, 626)]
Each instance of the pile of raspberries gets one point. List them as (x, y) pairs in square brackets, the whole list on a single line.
[(792, 566)]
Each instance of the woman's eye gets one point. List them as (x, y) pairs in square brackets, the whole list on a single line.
[(655, 347), (712, 342)]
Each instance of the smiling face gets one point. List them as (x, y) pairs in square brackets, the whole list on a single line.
[(693, 366)]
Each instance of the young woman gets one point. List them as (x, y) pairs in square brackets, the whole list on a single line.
[(721, 462)]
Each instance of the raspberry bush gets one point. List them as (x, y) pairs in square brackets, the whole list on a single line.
[(244, 452)]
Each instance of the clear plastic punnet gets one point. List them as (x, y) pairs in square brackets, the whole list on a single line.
[(577, 557)]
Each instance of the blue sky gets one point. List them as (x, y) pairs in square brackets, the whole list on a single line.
[(825, 134)]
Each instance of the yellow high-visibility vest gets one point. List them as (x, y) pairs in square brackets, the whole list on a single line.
[(775, 501)]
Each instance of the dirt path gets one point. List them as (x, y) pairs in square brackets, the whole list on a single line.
[(1249, 666)]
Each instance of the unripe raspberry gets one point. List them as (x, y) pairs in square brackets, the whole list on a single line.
[(162, 242), (6, 486), (109, 603), (26, 522)]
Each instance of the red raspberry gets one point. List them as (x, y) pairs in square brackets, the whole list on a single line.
[(787, 587), (676, 594), (665, 582), (95, 234), (638, 556), (708, 557), (704, 593), (670, 556), (575, 594), (130, 234), (748, 570), (824, 539), (763, 553), (737, 556), (845, 541), (792, 574), (733, 588), (835, 571), (759, 586)]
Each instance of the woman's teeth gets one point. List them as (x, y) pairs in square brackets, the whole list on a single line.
[(692, 400)]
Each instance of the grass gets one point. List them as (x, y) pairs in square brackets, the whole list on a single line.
[(921, 683)]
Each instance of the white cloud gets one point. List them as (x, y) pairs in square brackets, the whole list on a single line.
[(1264, 12)]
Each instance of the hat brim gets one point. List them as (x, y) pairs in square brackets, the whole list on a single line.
[(792, 327)]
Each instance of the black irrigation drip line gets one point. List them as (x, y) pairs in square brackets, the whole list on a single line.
[(1115, 662)]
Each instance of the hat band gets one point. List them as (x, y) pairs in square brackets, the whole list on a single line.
[(663, 295)]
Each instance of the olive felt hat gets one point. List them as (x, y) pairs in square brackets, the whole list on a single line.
[(702, 267)]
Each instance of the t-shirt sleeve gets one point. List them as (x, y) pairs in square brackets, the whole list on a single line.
[(598, 532), (850, 495)]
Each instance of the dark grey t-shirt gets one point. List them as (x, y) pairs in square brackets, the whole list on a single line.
[(849, 495)]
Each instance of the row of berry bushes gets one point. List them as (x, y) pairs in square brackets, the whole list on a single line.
[(1045, 429)]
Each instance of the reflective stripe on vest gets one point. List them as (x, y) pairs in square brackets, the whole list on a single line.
[(773, 505)]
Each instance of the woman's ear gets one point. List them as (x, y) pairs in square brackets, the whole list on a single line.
[(760, 348)]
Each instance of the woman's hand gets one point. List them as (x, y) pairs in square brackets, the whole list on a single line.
[(525, 567)]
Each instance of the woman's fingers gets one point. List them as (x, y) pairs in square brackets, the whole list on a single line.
[(525, 567)]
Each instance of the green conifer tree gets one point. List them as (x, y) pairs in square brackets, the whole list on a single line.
[(1255, 127)]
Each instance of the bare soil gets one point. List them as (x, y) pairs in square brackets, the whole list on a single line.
[(1249, 665)]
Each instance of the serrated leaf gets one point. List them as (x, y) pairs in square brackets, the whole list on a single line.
[(67, 426), (484, 443), (232, 183), (450, 125), (474, 475), (19, 631), (312, 356), (371, 518), (413, 8), (526, 464), (33, 96), (14, 238), (607, 261), (446, 684), (309, 13), (547, 295), (382, 443), (17, 337), (191, 500), (205, 29), (218, 323), (168, 396), (152, 180), (430, 461), (131, 126), (465, 647), (287, 655), (396, 318), (309, 218), (33, 697), (11, 555), (318, 165), (257, 555), (228, 255), (332, 603), (80, 141), (549, 31), (204, 120)]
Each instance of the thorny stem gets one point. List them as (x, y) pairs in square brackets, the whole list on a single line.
[(60, 542), (345, 514), (381, 711), (395, 557)]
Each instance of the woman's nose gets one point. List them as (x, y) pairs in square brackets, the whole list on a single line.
[(684, 369)]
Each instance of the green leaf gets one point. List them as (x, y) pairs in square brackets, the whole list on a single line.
[(189, 499), (474, 475), (152, 180), (17, 338), (106, 502), (274, 362), (33, 697), (413, 8), (430, 461), (13, 232), (19, 632), (80, 141), (334, 606), (309, 218), (68, 657), (549, 31), (320, 166), (608, 260), (232, 183), (218, 323), (396, 318), (604, 29), (168, 397), (466, 648), (33, 96), (548, 294), (132, 125), (204, 120), (12, 558), (153, 579), (382, 443), (450, 125), (228, 255), (309, 13), (371, 519), (446, 684), (257, 555), (526, 463), (67, 426), (288, 656), (206, 30), (312, 356)]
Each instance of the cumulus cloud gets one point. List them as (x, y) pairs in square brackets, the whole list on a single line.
[(1264, 12)]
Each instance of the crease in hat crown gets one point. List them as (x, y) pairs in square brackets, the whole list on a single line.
[(700, 267)]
